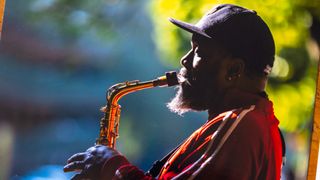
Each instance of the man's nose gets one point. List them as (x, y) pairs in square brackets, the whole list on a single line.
[(186, 60)]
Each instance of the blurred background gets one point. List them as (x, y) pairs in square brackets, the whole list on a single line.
[(58, 57)]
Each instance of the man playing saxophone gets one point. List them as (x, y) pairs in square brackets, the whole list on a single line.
[(224, 73)]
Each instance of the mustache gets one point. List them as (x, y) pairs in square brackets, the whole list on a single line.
[(185, 77)]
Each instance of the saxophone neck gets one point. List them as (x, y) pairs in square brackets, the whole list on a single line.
[(119, 90), (109, 124)]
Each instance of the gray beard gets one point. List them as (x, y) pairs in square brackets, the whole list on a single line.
[(178, 104), (188, 99)]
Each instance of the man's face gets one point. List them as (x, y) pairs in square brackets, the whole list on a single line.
[(201, 76)]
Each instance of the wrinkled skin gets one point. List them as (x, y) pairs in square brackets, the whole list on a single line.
[(90, 162), (202, 86)]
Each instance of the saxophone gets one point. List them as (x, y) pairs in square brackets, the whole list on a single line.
[(109, 124)]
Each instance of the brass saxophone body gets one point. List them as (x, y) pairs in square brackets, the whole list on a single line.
[(109, 124)]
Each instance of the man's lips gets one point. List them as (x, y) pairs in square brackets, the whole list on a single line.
[(184, 76)]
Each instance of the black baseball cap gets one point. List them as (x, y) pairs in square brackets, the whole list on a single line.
[(240, 31)]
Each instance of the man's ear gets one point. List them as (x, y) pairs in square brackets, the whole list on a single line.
[(235, 67)]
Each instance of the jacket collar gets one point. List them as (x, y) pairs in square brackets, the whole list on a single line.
[(234, 99)]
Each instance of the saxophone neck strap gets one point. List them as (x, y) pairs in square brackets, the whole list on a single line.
[(157, 165)]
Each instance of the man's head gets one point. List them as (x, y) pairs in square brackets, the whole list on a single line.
[(227, 43)]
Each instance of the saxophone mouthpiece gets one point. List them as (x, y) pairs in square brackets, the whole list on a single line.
[(170, 79), (109, 124)]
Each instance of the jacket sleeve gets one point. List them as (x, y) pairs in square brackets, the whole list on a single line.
[(243, 155), (130, 172), (239, 158), (119, 168)]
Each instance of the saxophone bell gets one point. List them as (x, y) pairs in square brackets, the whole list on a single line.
[(109, 124)]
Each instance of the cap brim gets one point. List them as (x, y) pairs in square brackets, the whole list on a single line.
[(189, 27)]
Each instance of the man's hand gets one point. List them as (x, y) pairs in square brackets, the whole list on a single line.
[(97, 162)]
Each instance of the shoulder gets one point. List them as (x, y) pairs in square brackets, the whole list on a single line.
[(254, 126), (260, 117)]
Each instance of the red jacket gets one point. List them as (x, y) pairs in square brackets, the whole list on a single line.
[(253, 150)]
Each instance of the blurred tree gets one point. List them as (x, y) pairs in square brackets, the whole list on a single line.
[(83, 34), (58, 57), (292, 83)]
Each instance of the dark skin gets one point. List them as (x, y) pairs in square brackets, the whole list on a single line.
[(210, 73), (219, 72)]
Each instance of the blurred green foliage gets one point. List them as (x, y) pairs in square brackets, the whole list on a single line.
[(76, 18), (117, 32), (292, 83)]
